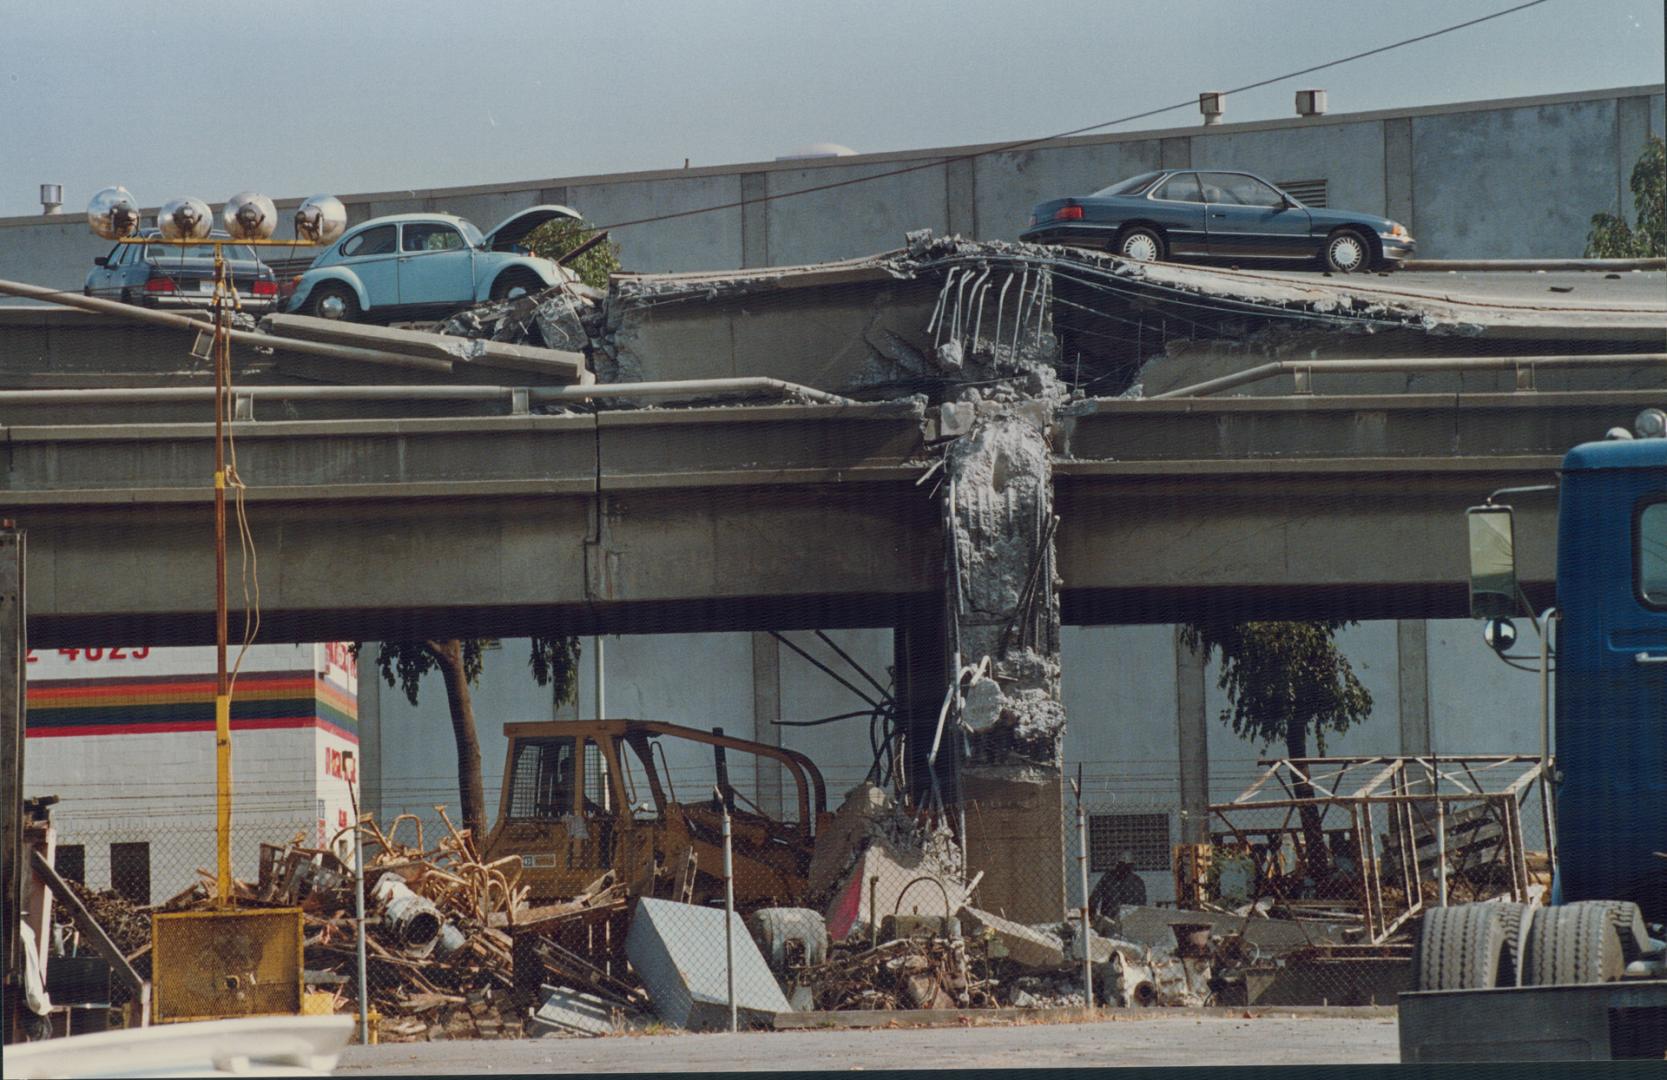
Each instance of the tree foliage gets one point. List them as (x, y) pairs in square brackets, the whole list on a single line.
[(557, 237), (1280, 675), (554, 661), (1612, 237)]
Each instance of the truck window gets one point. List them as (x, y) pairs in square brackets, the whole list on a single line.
[(597, 800), (1652, 554), (541, 783)]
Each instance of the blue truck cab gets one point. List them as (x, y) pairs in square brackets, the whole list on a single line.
[(1611, 674)]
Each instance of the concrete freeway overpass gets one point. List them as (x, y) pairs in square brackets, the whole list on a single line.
[(775, 516)]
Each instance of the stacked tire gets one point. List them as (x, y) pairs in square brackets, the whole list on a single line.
[(1482, 946)]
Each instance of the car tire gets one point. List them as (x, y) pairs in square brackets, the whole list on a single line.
[(511, 280), (1459, 948), (319, 304), (1347, 251), (1140, 244), (1571, 946)]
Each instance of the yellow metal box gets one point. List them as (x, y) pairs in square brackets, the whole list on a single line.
[(211, 965)]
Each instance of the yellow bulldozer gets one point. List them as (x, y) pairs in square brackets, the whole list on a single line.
[(585, 798)]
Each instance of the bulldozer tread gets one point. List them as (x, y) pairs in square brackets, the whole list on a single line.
[(1573, 945), (1460, 948)]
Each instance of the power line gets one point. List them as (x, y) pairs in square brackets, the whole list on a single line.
[(1025, 143)]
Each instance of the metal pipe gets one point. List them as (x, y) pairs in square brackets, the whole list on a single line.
[(243, 337), (222, 683), (1440, 838), (1431, 363), (121, 395), (1547, 769)]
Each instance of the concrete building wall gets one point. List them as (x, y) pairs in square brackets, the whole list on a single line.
[(1488, 179)]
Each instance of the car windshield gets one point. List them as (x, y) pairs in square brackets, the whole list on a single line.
[(170, 253), (1132, 186)]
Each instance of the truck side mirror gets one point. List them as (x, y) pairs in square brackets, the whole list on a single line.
[(1493, 571)]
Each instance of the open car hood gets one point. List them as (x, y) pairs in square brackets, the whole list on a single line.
[(515, 228)]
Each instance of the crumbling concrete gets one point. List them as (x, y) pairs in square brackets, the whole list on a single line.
[(1024, 946)]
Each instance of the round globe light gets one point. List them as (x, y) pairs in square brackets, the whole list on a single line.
[(113, 214), (185, 219), (249, 215), (320, 219)]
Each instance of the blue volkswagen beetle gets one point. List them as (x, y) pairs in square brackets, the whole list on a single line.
[(1217, 215), (413, 266)]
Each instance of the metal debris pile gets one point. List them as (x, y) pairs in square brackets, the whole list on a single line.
[(563, 316)]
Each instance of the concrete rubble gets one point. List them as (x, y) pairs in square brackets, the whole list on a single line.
[(678, 951)]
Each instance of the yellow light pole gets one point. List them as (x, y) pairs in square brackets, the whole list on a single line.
[(250, 221)]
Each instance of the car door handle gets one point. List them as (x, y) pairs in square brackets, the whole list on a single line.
[(1646, 658), (1217, 214)]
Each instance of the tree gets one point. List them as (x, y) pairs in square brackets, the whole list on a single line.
[(1612, 237), (554, 662), (557, 237), (1281, 679)]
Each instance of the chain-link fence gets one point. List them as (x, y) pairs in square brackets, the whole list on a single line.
[(566, 921)]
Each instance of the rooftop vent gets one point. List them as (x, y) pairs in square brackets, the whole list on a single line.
[(1310, 102), (1212, 103)]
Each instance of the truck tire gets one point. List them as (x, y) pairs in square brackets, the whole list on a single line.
[(1517, 919), (1628, 922), (1571, 946), (1460, 948)]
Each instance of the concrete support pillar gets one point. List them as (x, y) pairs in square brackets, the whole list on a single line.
[(961, 198), (1397, 172), (755, 218), (370, 732), (1192, 732), (1412, 647), (766, 710)]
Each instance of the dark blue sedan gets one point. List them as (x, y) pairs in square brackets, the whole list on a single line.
[(1203, 214)]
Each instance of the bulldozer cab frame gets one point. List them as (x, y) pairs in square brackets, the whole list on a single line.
[(571, 811)]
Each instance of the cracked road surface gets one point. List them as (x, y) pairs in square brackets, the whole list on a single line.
[(1172, 1037)]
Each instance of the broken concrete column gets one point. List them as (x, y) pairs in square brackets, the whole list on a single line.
[(1004, 635)]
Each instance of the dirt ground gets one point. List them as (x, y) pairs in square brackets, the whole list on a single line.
[(1156, 1037)]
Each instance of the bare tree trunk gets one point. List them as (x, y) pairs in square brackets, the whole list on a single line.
[(1315, 856), (470, 788)]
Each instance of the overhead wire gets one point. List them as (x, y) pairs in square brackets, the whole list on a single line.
[(1023, 144)]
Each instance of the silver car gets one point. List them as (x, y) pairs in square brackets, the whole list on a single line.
[(171, 276)]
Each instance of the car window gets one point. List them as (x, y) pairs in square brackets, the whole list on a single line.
[(1182, 187), (171, 253), (1239, 189), (1134, 185), (377, 241), (1652, 554), (430, 237)]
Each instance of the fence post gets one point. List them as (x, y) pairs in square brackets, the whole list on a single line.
[(359, 905), (729, 919), (1082, 873)]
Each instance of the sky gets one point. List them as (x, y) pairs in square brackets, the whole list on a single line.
[(203, 99)]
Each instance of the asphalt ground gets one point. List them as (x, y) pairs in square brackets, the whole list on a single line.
[(1148, 1038)]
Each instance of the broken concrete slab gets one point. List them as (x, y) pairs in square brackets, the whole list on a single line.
[(567, 368), (678, 952), (1150, 926), (887, 878), (1027, 947)]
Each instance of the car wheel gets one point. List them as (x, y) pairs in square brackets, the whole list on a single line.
[(1348, 252), (1141, 244), (514, 283), (333, 301)]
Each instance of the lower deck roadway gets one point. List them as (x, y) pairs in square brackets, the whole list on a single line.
[(779, 516), (1146, 1037)]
